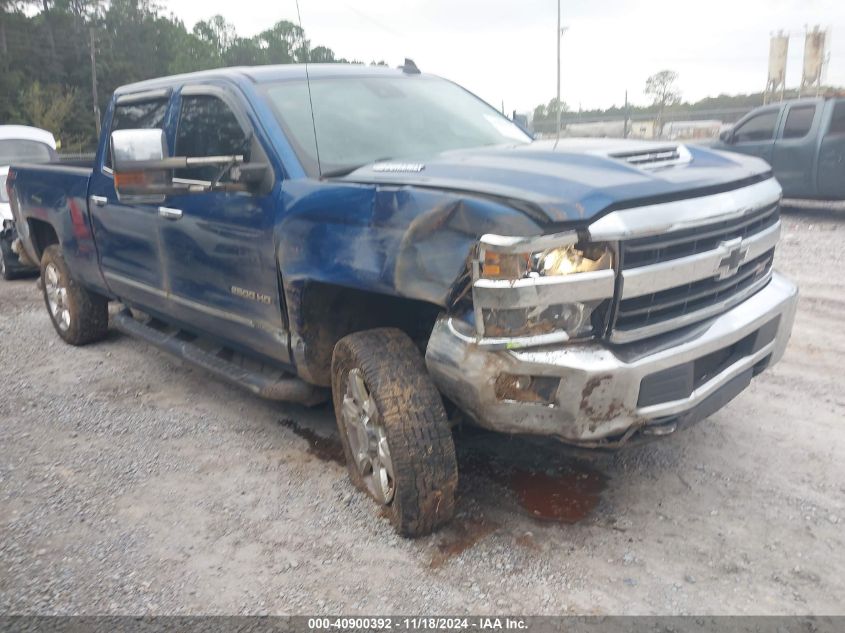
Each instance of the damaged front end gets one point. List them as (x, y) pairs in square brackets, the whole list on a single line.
[(541, 350)]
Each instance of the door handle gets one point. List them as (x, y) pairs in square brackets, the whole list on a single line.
[(100, 201), (170, 214)]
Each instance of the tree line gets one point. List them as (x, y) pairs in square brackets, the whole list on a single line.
[(666, 101), (46, 66)]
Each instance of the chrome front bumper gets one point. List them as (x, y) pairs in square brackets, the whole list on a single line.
[(600, 396)]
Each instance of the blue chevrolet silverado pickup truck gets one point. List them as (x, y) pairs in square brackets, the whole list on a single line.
[(383, 238)]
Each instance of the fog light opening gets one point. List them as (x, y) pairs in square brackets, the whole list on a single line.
[(524, 388)]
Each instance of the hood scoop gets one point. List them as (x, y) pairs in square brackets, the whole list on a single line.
[(656, 157)]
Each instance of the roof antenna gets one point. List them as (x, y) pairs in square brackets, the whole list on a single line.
[(409, 67), (310, 100)]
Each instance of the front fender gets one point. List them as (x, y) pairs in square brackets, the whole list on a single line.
[(409, 242)]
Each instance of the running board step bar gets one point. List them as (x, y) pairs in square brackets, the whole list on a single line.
[(264, 381)]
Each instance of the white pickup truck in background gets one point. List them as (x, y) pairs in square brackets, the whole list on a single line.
[(18, 144)]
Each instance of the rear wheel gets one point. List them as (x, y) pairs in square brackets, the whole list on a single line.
[(394, 430), (5, 271), (78, 315)]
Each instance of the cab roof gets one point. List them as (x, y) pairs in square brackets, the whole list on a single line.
[(264, 74)]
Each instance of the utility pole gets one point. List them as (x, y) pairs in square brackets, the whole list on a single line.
[(560, 32), (557, 104), (94, 83), (625, 121)]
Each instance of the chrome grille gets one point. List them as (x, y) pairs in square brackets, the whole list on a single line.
[(682, 277), (667, 306), (662, 248)]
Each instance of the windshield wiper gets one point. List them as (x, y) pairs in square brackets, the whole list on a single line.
[(341, 171)]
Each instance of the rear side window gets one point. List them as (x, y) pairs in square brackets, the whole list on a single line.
[(758, 128), (799, 121), (208, 127), (137, 115), (837, 123)]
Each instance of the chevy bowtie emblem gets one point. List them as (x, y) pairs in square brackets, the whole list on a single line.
[(730, 264)]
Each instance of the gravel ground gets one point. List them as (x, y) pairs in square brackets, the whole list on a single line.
[(132, 484)]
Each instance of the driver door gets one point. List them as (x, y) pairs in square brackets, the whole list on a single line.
[(756, 134), (219, 246)]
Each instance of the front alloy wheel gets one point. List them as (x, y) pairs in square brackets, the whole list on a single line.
[(367, 438), (394, 430)]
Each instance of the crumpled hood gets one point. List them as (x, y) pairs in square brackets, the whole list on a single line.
[(577, 179)]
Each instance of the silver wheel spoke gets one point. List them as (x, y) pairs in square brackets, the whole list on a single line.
[(56, 295), (358, 390), (384, 456), (367, 438)]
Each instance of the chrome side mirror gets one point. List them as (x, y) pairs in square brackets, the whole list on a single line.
[(141, 170)]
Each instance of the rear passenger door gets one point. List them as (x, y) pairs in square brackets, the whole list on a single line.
[(831, 170), (794, 158), (756, 134), (127, 234), (219, 247)]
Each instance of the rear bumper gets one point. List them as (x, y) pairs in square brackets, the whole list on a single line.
[(606, 392)]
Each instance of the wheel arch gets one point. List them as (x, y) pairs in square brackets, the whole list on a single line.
[(323, 313), (42, 235)]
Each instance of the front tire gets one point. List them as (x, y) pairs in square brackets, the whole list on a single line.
[(394, 429), (78, 315)]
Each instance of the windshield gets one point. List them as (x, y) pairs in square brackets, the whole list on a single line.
[(16, 150), (361, 120)]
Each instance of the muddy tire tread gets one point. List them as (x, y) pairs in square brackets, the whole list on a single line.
[(421, 443), (89, 311)]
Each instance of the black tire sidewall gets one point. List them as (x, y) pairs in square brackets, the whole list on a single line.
[(88, 313), (425, 474)]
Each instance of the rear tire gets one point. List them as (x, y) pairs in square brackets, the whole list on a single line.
[(395, 433), (5, 252), (78, 315)]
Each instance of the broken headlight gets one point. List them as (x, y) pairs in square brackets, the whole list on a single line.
[(560, 260), (552, 286)]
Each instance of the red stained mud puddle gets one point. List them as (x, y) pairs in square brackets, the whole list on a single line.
[(458, 537), (564, 494), (327, 449), (566, 497)]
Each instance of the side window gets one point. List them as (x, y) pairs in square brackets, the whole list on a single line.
[(137, 115), (799, 121), (757, 128), (837, 123), (208, 127)]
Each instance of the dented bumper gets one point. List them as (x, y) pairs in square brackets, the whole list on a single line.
[(597, 394)]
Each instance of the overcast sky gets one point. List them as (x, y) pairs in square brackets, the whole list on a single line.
[(505, 51)]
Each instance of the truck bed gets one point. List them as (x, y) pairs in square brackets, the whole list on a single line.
[(51, 207)]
